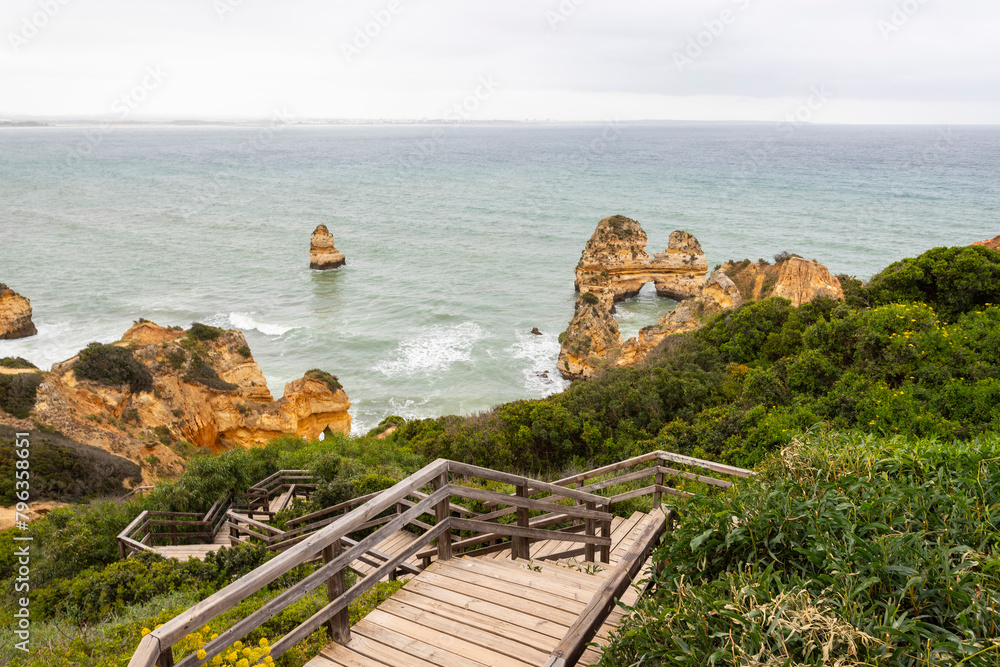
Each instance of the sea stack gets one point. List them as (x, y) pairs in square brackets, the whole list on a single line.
[(323, 255), (15, 315)]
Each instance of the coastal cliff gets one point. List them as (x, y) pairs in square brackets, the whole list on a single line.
[(15, 315), (160, 391), (323, 254), (992, 244), (615, 266)]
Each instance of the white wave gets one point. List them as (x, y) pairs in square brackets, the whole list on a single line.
[(433, 350), (540, 353), (246, 322)]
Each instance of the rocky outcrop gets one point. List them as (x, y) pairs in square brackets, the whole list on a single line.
[(796, 279), (992, 244), (15, 315), (615, 266), (323, 255), (615, 263), (206, 390)]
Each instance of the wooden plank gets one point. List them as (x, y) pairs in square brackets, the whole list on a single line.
[(574, 643), (384, 654), (548, 607), (345, 657), (518, 531), (526, 585), (487, 607), (502, 626), (414, 647), (455, 637), (614, 467), (692, 476)]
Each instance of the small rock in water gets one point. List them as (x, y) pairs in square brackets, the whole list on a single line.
[(323, 255), (536, 332)]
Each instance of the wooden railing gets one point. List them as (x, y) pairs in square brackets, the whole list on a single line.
[(574, 642), (142, 533), (331, 543)]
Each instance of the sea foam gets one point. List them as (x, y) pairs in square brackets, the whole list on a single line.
[(433, 350), (246, 322)]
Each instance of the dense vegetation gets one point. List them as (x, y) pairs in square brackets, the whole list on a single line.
[(18, 393), (114, 366), (64, 470), (847, 550), (744, 384)]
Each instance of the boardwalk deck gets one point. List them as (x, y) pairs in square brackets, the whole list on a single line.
[(487, 611)]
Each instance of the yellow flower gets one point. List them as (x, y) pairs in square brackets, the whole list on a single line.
[(263, 641), (238, 645), (201, 654), (243, 663), (205, 630), (145, 631)]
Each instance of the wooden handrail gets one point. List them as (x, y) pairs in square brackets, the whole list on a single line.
[(574, 642)]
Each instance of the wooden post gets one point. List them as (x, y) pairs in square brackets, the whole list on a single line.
[(173, 534), (606, 532), (588, 548), (579, 485), (442, 513), (121, 550), (339, 625), (521, 546), (657, 495), (166, 659)]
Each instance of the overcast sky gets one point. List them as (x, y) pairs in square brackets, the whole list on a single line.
[(852, 61)]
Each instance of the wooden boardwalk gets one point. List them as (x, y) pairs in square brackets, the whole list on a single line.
[(486, 611)]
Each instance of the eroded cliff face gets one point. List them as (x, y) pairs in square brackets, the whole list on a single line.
[(207, 392), (15, 315), (323, 254), (615, 266)]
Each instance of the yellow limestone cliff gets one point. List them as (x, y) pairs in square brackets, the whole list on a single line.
[(205, 391), (615, 266), (15, 315), (323, 254)]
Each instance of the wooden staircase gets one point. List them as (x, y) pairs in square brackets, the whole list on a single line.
[(486, 611), (529, 581)]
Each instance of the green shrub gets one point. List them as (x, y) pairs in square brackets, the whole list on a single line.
[(18, 393), (202, 373), (952, 281), (245, 351), (331, 381), (199, 331), (846, 550), (112, 365), (16, 362), (590, 298)]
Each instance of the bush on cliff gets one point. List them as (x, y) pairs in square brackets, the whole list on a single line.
[(953, 281), (113, 366), (199, 331), (64, 470), (18, 393), (200, 372), (330, 381), (16, 362), (845, 550)]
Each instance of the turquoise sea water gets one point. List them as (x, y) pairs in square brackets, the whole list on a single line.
[(459, 240)]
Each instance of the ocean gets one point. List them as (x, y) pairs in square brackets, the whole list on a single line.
[(459, 239)]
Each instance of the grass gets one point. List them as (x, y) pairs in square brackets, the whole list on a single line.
[(847, 550)]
